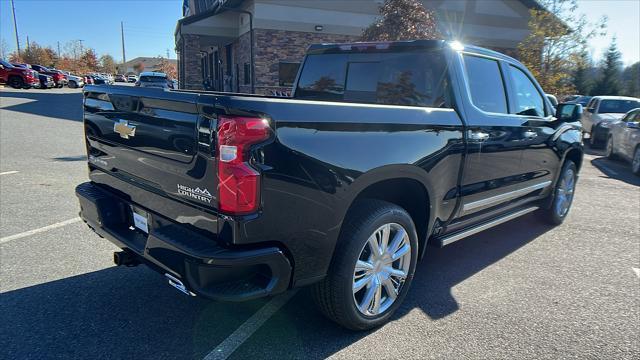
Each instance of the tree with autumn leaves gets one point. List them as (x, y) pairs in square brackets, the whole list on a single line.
[(402, 20), (556, 45)]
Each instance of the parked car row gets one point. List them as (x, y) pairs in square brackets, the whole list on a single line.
[(614, 121), (25, 76)]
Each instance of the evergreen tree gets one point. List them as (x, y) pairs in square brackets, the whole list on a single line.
[(631, 80), (582, 80), (609, 81), (402, 20)]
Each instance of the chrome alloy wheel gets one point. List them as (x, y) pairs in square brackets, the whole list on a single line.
[(381, 269), (564, 193)]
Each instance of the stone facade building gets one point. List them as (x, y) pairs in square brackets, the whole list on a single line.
[(214, 37)]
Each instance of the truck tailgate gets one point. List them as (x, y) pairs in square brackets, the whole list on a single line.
[(151, 138)]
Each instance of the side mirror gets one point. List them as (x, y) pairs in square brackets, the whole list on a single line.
[(633, 125), (552, 99), (569, 112), (591, 110)]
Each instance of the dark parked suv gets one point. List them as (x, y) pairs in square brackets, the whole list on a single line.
[(383, 149)]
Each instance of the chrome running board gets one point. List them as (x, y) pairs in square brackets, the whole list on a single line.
[(448, 239)]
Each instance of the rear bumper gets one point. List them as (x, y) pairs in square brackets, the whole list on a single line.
[(203, 266)]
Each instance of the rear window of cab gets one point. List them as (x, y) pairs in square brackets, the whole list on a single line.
[(413, 78)]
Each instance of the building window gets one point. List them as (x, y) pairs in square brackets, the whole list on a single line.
[(287, 72), (247, 74)]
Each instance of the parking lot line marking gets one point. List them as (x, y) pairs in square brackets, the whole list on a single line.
[(636, 270), (38, 230), (9, 172), (244, 332)]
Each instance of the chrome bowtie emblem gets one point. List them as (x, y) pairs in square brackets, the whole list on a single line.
[(125, 130)]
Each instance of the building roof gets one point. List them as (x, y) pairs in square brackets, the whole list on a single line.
[(149, 62)]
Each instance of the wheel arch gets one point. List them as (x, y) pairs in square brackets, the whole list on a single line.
[(402, 185)]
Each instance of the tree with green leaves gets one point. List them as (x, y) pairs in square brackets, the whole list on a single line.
[(557, 35), (107, 64), (608, 82), (402, 20)]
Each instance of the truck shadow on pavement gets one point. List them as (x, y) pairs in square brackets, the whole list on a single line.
[(46, 103), (617, 170), (119, 313)]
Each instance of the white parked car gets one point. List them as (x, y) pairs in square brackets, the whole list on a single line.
[(74, 81), (132, 78), (603, 110)]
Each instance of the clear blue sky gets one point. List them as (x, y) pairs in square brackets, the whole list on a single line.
[(624, 24), (149, 24)]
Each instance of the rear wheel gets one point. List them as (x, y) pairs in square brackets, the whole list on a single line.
[(16, 82), (372, 268), (72, 84), (635, 162), (562, 196)]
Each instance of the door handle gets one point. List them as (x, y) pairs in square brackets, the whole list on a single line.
[(530, 134), (478, 135)]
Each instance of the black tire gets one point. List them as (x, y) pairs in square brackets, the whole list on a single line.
[(72, 85), (334, 295), (593, 139), (610, 152), (16, 82), (635, 161), (553, 214)]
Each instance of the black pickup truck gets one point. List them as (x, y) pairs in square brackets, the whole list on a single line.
[(382, 149)]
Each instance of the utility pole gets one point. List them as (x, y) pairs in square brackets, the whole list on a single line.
[(168, 56), (15, 26), (27, 42), (124, 57), (81, 48), (59, 54)]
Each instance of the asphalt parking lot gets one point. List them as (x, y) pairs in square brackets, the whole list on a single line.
[(521, 290)]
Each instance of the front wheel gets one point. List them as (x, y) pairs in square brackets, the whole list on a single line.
[(635, 162), (72, 84), (372, 268), (16, 82), (562, 196)]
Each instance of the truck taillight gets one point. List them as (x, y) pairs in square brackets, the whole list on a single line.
[(238, 182)]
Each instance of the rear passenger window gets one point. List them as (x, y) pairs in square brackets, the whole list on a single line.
[(485, 84), (528, 100)]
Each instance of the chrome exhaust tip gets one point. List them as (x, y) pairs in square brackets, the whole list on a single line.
[(176, 283)]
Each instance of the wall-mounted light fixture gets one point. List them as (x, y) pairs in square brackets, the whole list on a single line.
[(319, 27)]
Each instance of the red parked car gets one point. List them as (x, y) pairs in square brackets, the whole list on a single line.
[(59, 78), (88, 80), (17, 77)]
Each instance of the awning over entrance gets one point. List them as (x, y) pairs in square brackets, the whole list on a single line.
[(219, 29)]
